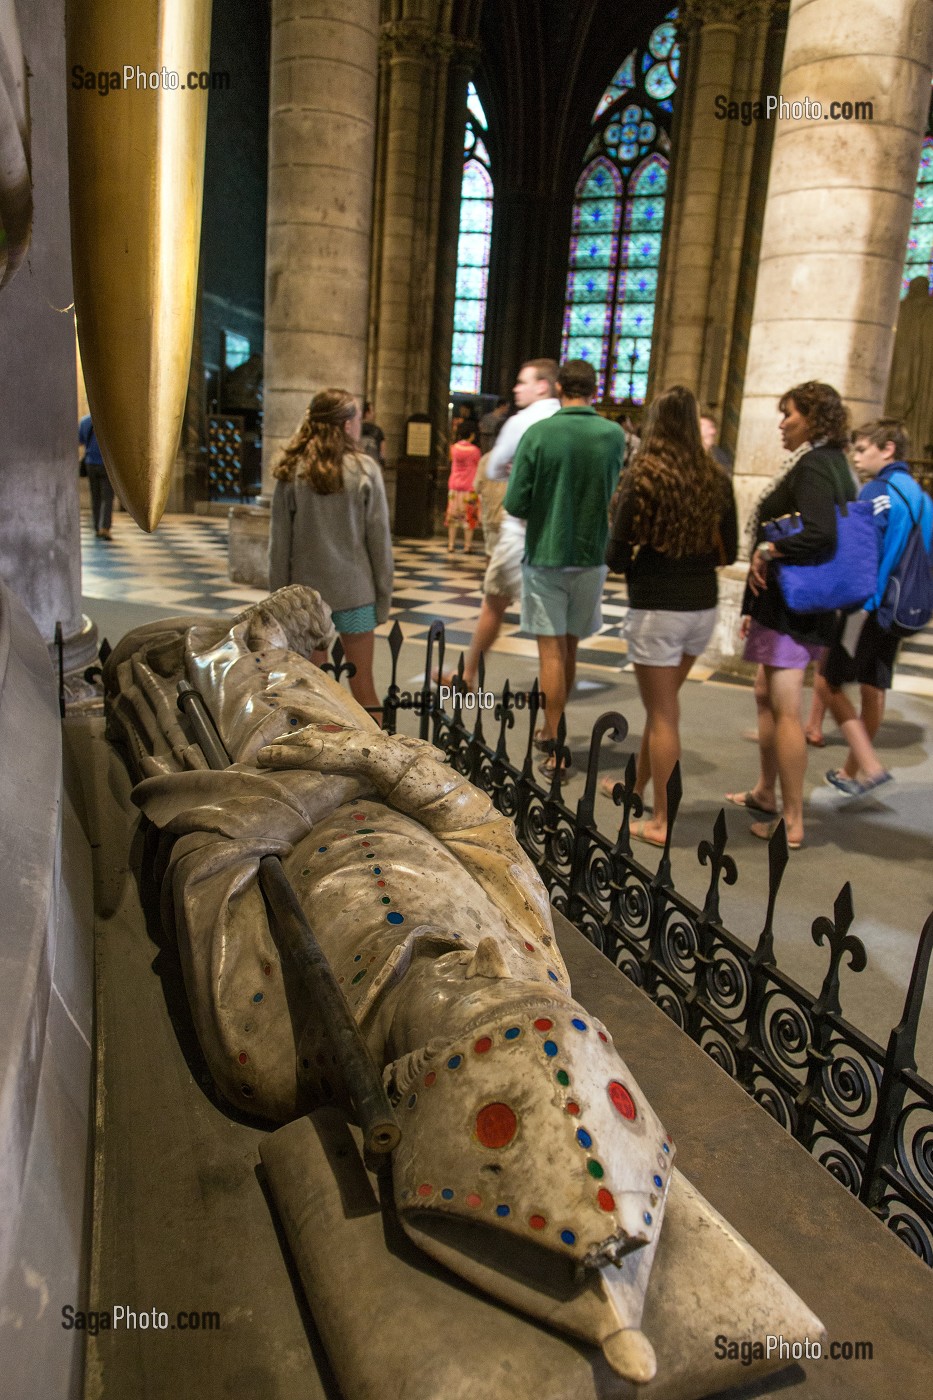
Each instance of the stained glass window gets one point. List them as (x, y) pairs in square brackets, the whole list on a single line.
[(476, 194), (615, 246), (919, 260)]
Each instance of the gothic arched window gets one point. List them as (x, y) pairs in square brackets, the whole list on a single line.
[(618, 214), (919, 260), (476, 194)]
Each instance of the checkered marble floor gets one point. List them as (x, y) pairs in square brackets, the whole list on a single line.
[(183, 568)]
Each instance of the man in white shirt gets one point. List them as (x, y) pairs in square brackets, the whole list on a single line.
[(535, 397)]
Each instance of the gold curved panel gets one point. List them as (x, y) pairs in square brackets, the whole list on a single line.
[(136, 160)]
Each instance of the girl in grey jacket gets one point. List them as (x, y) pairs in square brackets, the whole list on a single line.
[(330, 529)]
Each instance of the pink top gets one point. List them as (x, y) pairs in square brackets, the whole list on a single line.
[(464, 459)]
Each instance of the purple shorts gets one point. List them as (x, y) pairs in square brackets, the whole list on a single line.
[(771, 648)]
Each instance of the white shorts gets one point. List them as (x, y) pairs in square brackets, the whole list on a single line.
[(657, 638), (503, 576)]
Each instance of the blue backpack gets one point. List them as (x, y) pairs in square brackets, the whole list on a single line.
[(907, 605)]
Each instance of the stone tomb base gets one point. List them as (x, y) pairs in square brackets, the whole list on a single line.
[(395, 1323)]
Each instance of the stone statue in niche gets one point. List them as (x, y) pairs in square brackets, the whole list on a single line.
[(530, 1161)]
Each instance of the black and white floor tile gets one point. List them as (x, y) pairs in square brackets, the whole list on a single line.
[(183, 568)]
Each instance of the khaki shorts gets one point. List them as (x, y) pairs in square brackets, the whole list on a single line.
[(503, 576)]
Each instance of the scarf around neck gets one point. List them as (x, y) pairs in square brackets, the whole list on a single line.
[(787, 466)]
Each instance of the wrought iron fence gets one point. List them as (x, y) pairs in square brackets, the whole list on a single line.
[(863, 1111)]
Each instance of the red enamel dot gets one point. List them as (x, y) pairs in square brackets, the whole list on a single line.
[(359, 816), (242, 1057), (331, 728), (603, 1036), (429, 1079), (474, 1201), (543, 1024), (530, 946), (425, 1189), (482, 1045), (496, 1125), (621, 1099), (381, 884), (605, 1199), (364, 843), (267, 969), (573, 1109), (537, 1222)]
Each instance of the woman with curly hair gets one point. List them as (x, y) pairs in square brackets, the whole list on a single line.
[(815, 478), (675, 523), (330, 529)]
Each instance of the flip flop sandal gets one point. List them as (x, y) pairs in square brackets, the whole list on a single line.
[(745, 799), (547, 769), (763, 831), (637, 833)]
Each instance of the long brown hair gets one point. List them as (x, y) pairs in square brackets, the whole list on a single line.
[(315, 454), (679, 489)]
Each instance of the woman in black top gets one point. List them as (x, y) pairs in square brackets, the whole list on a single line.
[(815, 479), (675, 522)]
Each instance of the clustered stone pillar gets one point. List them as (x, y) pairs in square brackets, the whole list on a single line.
[(322, 120), (409, 67), (40, 528), (700, 167), (837, 215)]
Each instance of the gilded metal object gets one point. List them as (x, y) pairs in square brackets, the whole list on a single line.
[(136, 158)]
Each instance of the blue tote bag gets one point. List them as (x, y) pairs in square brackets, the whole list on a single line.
[(845, 580)]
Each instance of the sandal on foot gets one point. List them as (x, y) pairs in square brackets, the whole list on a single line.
[(746, 800), (816, 741), (765, 830), (550, 763), (637, 832), (840, 780), (542, 743)]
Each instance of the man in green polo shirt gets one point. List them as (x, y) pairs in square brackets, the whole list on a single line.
[(563, 477)]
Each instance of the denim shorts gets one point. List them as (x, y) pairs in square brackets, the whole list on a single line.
[(562, 602)]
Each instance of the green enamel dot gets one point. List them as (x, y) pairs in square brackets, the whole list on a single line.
[(563, 1077), (359, 977), (386, 899), (366, 831), (307, 870), (595, 1170)]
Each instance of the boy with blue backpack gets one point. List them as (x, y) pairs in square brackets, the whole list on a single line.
[(865, 646)]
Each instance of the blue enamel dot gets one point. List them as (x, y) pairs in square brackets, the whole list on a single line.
[(553, 976), (550, 1048), (258, 996), (321, 850), (447, 1194), (413, 1100), (454, 1062), (395, 917), (583, 1138), (578, 1024), (657, 1181), (513, 1033), (665, 1148), (503, 1211), (358, 957), (568, 1237), (647, 1218), (293, 720), (377, 870)]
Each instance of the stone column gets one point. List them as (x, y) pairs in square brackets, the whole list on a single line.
[(409, 68), (837, 215), (40, 539), (322, 115), (700, 173)]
